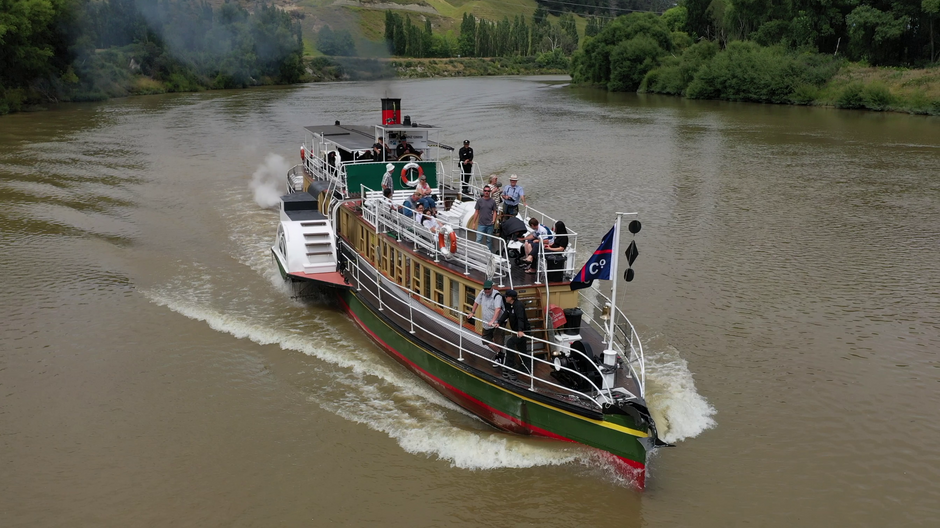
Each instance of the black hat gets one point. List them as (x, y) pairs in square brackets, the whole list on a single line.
[(510, 293), (466, 142)]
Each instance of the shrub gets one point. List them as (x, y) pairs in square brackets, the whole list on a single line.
[(630, 61), (877, 97), (804, 94), (851, 96)]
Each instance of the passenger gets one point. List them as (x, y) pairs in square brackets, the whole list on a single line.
[(495, 184), (485, 215), (387, 182), (419, 213), (519, 324), (466, 165), (513, 195), (491, 304), (378, 151), (405, 148), (387, 199), (408, 207), (430, 220), (425, 190), (537, 233), (559, 245)]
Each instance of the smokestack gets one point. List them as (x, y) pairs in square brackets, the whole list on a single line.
[(391, 111)]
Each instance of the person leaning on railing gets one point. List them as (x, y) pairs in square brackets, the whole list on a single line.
[(491, 304)]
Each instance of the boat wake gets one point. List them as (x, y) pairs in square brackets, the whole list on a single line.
[(679, 410), (364, 386)]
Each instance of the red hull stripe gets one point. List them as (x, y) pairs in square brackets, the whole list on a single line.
[(455, 390)]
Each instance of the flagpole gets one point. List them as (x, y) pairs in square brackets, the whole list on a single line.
[(615, 257)]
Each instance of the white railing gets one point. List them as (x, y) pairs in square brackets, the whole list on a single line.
[(459, 335), (470, 254), (628, 338)]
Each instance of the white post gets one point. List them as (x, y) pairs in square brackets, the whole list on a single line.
[(610, 354)]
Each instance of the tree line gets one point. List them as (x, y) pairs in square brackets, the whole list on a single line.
[(93, 49), (881, 32), (651, 53), (479, 37)]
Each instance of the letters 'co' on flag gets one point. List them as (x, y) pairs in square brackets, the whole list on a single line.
[(598, 266)]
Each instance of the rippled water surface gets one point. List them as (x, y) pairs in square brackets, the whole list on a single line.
[(155, 371)]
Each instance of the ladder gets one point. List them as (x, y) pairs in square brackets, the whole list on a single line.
[(531, 298)]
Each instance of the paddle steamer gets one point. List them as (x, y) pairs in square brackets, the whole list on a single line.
[(409, 287)]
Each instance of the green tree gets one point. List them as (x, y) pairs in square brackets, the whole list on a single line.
[(874, 35), (466, 43)]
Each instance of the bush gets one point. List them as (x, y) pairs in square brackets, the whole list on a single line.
[(630, 61), (804, 94), (746, 71), (877, 97), (674, 75), (851, 96)]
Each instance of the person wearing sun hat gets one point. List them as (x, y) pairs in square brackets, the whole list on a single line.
[(387, 182), (491, 306), (513, 195)]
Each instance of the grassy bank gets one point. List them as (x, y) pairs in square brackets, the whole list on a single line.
[(883, 89)]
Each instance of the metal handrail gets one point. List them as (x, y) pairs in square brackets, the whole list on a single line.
[(635, 344), (605, 394)]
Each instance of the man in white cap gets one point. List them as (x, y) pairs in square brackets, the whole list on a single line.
[(513, 195), (387, 182)]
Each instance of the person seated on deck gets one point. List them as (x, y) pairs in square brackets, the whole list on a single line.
[(430, 220), (378, 151), (419, 215), (387, 199), (536, 232), (408, 207), (560, 244), (425, 190), (405, 148)]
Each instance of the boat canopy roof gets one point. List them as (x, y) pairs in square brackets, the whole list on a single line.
[(358, 137), (350, 137)]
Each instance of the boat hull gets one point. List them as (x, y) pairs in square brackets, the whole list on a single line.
[(496, 402)]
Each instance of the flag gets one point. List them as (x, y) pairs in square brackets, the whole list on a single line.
[(598, 266)]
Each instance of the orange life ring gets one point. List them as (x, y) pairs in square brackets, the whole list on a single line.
[(404, 173), (442, 242), (303, 153)]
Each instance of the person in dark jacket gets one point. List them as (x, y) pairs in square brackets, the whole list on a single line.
[(519, 324), (466, 165)]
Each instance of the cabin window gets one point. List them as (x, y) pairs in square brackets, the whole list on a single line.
[(416, 283), (439, 289), (399, 267), (427, 282), (454, 299), (470, 295)]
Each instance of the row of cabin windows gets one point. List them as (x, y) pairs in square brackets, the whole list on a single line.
[(400, 268)]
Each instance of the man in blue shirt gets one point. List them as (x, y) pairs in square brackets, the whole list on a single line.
[(513, 195)]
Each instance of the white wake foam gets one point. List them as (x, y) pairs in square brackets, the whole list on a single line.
[(268, 181), (679, 410)]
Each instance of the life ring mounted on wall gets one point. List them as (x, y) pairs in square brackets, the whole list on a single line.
[(447, 241), (406, 169)]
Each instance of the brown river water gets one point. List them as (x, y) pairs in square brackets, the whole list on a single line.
[(155, 371)]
